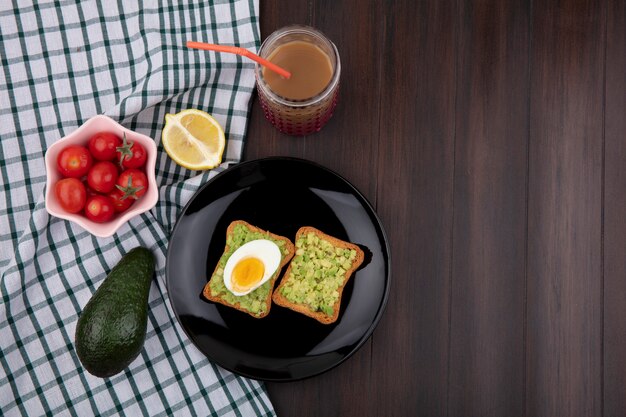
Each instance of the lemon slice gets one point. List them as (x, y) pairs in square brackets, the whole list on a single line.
[(194, 139)]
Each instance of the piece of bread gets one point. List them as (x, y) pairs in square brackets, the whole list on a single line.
[(216, 291), (323, 279)]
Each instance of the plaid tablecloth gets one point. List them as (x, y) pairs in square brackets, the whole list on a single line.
[(63, 62)]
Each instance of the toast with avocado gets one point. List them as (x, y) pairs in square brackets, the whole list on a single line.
[(258, 302), (314, 281)]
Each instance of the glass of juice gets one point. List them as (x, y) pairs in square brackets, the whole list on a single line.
[(302, 104)]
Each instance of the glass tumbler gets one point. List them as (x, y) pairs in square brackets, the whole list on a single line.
[(299, 117)]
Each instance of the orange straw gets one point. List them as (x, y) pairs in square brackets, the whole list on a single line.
[(239, 51)]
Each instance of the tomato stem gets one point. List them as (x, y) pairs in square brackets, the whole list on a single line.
[(129, 191), (125, 150)]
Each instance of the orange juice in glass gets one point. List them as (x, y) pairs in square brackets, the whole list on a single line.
[(304, 103)]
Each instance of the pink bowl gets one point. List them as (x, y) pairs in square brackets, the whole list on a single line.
[(80, 136)]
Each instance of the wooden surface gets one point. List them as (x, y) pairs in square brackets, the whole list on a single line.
[(490, 136)]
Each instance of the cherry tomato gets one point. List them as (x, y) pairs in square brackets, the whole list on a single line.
[(120, 201), (133, 183), (99, 208), (71, 194), (131, 154), (103, 146), (74, 161), (102, 176)]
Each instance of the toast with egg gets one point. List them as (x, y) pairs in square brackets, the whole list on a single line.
[(258, 302), (314, 281)]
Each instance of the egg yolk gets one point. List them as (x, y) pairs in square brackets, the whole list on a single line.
[(247, 273)]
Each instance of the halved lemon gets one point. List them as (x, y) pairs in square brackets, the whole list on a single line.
[(194, 139)]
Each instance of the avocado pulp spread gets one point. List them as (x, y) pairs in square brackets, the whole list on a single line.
[(256, 301), (317, 272)]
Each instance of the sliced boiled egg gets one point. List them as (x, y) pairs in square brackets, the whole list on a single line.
[(251, 266)]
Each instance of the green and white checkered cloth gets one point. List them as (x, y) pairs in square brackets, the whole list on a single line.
[(62, 63)]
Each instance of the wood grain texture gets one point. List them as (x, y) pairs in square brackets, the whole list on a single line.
[(490, 137), (564, 364), (615, 214), (486, 376), (349, 143), (410, 349)]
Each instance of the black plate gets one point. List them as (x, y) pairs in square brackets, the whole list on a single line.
[(279, 195)]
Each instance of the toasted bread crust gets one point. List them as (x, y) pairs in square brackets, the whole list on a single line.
[(284, 260), (281, 300)]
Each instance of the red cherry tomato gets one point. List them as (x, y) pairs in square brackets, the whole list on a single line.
[(103, 146), (102, 176), (133, 183), (99, 208), (71, 194), (131, 154), (74, 161), (120, 201)]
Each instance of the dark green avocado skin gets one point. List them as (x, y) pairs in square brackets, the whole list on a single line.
[(112, 327)]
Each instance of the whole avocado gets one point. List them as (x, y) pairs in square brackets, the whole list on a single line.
[(112, 327)]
